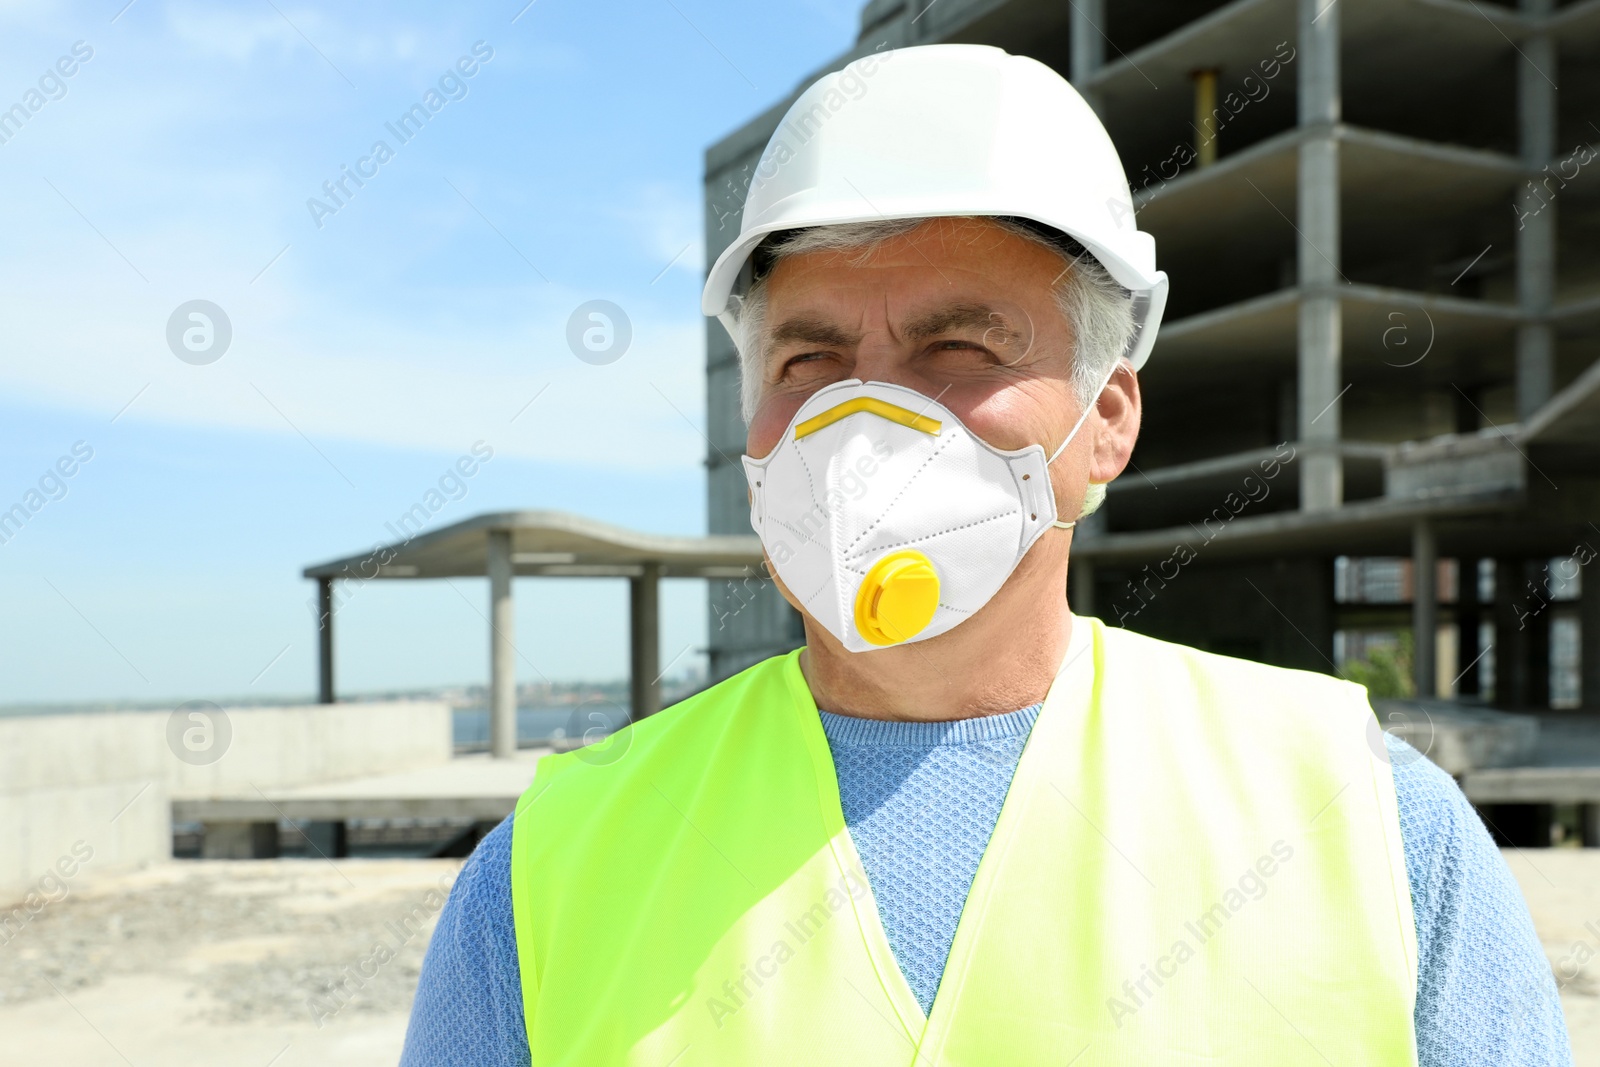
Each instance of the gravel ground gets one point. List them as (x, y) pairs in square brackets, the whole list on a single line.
[(284, 963), (276, 953), (1562, 887)]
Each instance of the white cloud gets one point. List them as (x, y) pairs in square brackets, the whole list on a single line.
[(238, 33), (667, 220), (295, 367)]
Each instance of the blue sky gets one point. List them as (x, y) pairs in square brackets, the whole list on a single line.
[(368, 353)]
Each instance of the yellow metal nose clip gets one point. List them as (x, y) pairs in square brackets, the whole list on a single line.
[(898, 598)]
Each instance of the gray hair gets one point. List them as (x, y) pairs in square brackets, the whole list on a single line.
[(1099, 310)]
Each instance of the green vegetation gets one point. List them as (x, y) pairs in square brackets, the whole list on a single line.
[(1386, 672)]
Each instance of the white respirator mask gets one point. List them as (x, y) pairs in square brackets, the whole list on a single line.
[(888, 519)]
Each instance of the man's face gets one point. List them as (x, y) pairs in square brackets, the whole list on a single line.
[(960, 310), (963, 311)]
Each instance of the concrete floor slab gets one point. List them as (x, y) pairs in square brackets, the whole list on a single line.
[(473, 787)]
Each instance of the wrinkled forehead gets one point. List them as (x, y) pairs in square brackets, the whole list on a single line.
[(992, 321)]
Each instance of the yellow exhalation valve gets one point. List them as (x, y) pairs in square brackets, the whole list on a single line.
[(897, 598)]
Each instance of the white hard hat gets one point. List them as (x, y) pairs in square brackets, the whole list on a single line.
[(941, 130)]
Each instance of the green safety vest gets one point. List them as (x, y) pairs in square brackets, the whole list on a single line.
[(1198, 862)]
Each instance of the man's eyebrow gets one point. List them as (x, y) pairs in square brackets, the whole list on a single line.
[(959, 317), (812, 332)]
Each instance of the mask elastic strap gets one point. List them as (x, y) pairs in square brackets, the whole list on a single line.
[(1058, 524), (1079, 424)]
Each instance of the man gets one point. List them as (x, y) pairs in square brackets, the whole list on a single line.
[(964, 825)]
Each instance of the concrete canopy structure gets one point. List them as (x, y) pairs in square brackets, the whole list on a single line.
[(1381, 221), (507, 544)]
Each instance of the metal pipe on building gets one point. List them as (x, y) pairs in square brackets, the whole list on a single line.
[(1205, 117), (502, 649), (1321, 472)]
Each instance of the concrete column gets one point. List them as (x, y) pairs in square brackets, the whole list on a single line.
[(644, 610), (1321, 476), (326, 839), (325, 640), (1536, 584), (1080, 578), (502, 649), (1425, 607), (1088, 45), (1536, 215), (1589, 637), (1468, 619), (1510, 654), (1522, 634)]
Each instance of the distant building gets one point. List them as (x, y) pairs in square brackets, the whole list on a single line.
[(1382, 225)]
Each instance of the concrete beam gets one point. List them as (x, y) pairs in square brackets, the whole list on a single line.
[(245, 810), (1533, 785), (502, 648), (644, 643)]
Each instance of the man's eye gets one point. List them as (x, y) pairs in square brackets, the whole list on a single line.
[(957, 345)]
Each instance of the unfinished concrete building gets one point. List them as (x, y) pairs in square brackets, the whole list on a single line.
[(1373, 407)]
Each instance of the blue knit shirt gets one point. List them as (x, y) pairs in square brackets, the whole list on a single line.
[(921, 800)]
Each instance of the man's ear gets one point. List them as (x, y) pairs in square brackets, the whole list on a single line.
[(1118, 410)]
